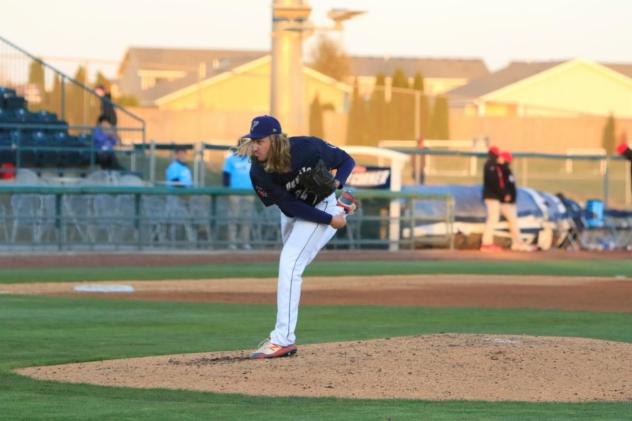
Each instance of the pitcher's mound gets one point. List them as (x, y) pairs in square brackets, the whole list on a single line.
[(446, 366)]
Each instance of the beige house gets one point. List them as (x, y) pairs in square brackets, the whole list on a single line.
[(440, 75), (247, 88), (556, 89), (144, 68), (555, 107)]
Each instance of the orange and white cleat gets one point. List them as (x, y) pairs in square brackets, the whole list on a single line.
[(269, 350)]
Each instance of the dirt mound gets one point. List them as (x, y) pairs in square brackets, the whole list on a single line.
[(446, 366)]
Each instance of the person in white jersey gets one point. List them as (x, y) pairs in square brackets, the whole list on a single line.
[(294, 174)]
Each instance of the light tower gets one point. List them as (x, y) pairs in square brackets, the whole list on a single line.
[(290, 27), (286, 81)]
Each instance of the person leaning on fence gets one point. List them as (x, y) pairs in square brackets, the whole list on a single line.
[(493, 193), (508, 203), (236, 175), (104, 140), (178, 173), (107, 108)]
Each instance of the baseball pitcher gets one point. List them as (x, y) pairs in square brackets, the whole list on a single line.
[(294, 174)]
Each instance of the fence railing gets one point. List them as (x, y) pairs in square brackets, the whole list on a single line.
[(47, 88), (590, 176), (142, 218), (48, 148)]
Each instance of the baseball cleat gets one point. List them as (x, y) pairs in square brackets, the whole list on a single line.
[(269, 350)]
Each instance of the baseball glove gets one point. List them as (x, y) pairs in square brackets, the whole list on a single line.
[(348, 202), (319, 182)]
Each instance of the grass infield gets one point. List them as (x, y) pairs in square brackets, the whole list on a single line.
[(46, 330), (607, 268)]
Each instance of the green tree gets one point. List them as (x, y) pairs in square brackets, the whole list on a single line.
[(329, 58), (424, 106), (75, 99), (103, 81), (82, 107), (53, 98), (376, 120), (424, 116), (37, 99), (418, 82), (357, 130), (608, 139), (127, 101), (316, 119), (400, 114), (440, 124)]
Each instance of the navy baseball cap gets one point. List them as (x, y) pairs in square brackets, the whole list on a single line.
[(262, 126)]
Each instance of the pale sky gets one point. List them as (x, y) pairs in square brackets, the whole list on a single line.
[(495, 30)]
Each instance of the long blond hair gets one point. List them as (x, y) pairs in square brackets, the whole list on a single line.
[(279, 159)]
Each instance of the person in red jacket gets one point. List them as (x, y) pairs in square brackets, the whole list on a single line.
[(493, 193), (508, 207), (624, 150)]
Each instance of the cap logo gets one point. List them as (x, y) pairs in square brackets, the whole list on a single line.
[(254, 124)]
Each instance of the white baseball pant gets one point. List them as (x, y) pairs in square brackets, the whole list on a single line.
[(302, 240)]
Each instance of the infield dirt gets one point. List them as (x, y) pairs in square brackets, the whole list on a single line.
[(438, 367), (564, 293)]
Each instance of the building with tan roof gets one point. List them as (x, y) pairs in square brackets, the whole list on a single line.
[(556, 88)]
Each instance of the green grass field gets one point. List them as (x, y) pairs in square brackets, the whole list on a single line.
[(549, 267), (45, 330)]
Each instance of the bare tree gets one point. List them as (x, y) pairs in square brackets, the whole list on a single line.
[(329, 58)]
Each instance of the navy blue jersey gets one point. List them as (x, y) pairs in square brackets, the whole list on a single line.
[(510, 184), (493, 183), (286, 191)]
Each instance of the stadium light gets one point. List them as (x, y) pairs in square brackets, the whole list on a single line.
[(290, 27), (341, 15)]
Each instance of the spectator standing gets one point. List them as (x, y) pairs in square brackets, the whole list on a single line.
[(624, 150), (508, 204), (178, 173), (493, 193), (236, 175), (107, 107)]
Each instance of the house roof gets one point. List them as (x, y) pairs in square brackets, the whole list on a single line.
[(188, 60), (176, 89), (623, 68), (219, 61), (185, 59), (515, 72), (167, 87), (511, 74), (428, 67)]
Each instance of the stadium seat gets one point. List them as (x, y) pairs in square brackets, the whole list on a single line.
[(5, 93), (14, 102), (7, 154), (41, 129)]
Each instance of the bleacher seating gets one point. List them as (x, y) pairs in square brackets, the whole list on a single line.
[(42, 139)]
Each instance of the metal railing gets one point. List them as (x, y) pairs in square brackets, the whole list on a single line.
[(47, 88), (580, 177), (142, 218)]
